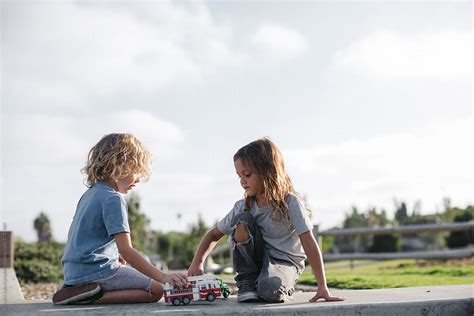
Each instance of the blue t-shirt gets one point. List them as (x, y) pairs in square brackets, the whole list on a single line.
[(91, 252)]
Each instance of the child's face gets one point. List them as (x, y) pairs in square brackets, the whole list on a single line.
[(126, 183), (249, 180)]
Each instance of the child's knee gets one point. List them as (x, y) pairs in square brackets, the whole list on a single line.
[(156, 291), (241, 233), (270, 289)]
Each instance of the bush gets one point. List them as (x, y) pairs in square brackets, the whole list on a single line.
[(385, 243), (461, 238), (38, 262), (37, 272), (327, 244)]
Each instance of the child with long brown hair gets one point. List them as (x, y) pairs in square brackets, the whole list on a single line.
[(99, 243), (270, 230)]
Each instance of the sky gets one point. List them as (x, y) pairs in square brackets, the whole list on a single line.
[(369, 102)]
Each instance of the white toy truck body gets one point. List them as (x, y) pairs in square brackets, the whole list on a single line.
[(200, 288)]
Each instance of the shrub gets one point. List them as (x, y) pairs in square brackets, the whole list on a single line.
[(38, 262), (462, 238), (385, 243)]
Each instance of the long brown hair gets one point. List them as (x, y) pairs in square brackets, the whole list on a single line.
[(264, 158)]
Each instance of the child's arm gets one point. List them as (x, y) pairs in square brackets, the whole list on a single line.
[(136, 260), (206, 245), (315, 258)]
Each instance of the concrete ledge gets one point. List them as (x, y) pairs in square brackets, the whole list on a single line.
[(10, 290), (429, 300)]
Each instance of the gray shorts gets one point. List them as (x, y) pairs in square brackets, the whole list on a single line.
[(125, 278)]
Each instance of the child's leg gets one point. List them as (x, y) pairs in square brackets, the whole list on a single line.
[(247, 254), (247, 247), (128, 285), (132, 295), (276, 280)]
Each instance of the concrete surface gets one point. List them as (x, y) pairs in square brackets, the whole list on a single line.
[(10, 290), (428, 300)]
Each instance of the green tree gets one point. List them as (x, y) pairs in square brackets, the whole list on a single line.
[(382, 243), (42, 226), (385, 243), (138, 222), (178, 248), (401, 214), (358, 243), (462, 238), (363, 243), (199, 229), (163, 245), (355, 219), (191, 240), (375, 219)]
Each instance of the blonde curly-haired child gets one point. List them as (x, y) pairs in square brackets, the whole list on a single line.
[(99, 243)]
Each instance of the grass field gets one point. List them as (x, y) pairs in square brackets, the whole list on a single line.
[(394, 273)]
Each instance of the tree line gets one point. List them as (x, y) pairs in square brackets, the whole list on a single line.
[(41, 261), (402, 216)]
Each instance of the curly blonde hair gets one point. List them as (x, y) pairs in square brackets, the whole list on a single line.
[(116, 156), (264, 158)]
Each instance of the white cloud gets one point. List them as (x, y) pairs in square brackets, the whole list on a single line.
[(428, 163), (69, 53), (158, 135), (168, 194), (102, 49), (42, 156), (62, 59), (68, 67), (59, 139), (442, 56), (278, 42)]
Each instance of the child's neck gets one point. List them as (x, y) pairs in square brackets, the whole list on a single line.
[(112, 183), (261, 200)]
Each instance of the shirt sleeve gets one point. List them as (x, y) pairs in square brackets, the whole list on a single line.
[(115, 215), (299, 215), (225, 224)]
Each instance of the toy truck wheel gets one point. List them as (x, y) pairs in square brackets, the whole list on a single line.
[(186, 300), (176, 301), (210, 297)]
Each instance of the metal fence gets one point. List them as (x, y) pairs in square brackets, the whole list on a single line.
[(402, 230)]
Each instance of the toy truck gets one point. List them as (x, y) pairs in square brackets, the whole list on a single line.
[(200, 288)]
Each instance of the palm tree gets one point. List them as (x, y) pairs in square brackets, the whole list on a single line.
[(43, 228)]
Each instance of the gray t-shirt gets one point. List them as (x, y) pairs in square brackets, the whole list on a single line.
[(281, 237)]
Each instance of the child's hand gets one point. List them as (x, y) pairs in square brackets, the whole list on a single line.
[(323, 292), (195, 269), (178, 280), (122, 261)]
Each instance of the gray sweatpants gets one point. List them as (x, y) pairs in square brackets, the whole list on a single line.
[(274, 278)]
